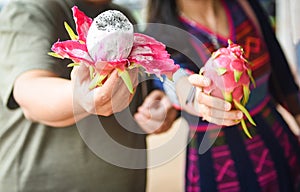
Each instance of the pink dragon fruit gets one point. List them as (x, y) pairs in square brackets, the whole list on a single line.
[(231, 76), (107, 43)]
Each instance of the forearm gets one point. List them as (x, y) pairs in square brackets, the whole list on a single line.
[(47, 100)]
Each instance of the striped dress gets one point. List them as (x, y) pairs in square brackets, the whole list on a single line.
[(223, 158)]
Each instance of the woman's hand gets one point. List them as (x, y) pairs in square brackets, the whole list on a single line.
[(212, 109), (156, 114), (113, 96)]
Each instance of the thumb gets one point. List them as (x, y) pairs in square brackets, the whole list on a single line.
[(80, 71)]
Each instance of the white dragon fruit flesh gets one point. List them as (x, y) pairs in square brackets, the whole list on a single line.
[(231, 77), (110, 36)]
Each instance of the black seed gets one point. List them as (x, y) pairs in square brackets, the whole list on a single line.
[(112, 20)]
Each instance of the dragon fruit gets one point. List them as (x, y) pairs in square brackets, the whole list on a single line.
[(110, 36), (108, 42), (231, 77)]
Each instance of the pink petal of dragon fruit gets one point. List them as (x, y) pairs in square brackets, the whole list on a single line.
[(231, 76), (72, 50), (82, 22), (152, 55)]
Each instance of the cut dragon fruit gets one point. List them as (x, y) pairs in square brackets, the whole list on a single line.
[(231, 76), (107, 43), (110, 37)]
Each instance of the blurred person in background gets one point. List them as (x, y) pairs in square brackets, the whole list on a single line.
[(268, 162)]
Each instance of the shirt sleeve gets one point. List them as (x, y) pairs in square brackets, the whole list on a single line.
[(26, 38)]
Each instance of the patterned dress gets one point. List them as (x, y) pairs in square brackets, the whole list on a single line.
[(223, 158)]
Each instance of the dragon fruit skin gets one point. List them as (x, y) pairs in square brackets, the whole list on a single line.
[(231, 77)]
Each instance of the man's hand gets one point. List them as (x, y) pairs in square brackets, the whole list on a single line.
[(113, 96)]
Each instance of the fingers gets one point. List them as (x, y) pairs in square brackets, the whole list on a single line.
[(153, 107), (121, 96), (156, 115), (224, 122), (74, 72), (216, 110), (212, 101), (147, 124), (133, 73), (206, 111), (112, 86), (106, 98), (113, 96), (155, 126), (168, 122), (111, 81), (213, 109), (154, 95), (103, 93), (153, 110), (199, 80), (80, 72)]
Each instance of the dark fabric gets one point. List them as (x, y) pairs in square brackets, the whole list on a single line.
[(247, 177), (282, 83), (207, 174), (277, 153)]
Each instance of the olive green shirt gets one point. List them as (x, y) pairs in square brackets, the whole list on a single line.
[(36, 157)]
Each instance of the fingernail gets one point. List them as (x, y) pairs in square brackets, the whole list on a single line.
[(206, 81), (227, 106), (240, 115)]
